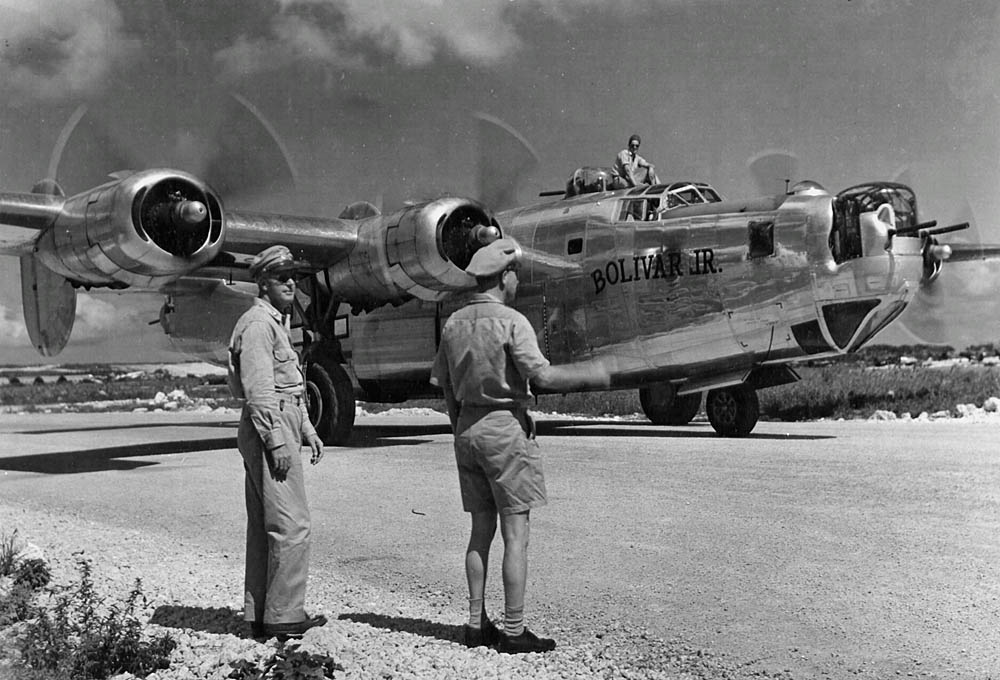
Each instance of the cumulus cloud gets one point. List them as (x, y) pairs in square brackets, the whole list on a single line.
[(350, 33), (97, 320), (12, 331), (51, 49)]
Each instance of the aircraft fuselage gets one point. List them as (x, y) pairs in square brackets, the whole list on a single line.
[(700, 295)]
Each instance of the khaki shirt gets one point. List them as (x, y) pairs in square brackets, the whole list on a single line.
[(263, 368), (626, 163), (488, 352)]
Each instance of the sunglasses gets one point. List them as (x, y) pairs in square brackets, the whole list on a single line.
[(282, 276)]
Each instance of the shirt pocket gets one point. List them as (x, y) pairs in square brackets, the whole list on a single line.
[(286, 367)]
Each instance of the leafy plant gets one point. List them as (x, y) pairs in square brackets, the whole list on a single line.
[(288, 663), (32, 573), (16, 605), (84, 638), (8, 553)]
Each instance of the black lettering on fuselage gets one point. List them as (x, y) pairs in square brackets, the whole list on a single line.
[(700, 261), (675, 264)]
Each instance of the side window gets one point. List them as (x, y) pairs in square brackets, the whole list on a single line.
[(633, 209), (761, 239)]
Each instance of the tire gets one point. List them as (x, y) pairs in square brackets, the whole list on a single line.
[(330, 401), (732, 411), (656, 400), (663, 406), (684, 408)]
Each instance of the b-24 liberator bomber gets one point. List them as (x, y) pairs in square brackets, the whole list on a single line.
[(676, 291)]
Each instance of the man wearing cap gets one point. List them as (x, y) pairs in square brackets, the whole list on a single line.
[(264, 370), (626, 170), (487, 356)]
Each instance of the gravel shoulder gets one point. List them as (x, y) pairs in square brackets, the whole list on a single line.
[(194, 595)]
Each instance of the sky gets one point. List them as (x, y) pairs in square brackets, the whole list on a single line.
[(372, 100)]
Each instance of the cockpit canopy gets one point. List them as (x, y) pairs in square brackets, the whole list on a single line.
[(658, 198)]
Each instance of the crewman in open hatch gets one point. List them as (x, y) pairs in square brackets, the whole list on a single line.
[(631, 169)]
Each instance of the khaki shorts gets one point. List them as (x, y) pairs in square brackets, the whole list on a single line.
[(499, 466)]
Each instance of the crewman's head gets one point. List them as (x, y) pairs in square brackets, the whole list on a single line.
[(634, 141), (274, 271), (496, 265)]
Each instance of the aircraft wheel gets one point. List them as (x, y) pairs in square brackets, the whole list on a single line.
[(732, 411), (656, 401), (685, 408), (663, 406), (330, 401)]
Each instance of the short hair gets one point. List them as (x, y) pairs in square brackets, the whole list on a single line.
[(635, 138)]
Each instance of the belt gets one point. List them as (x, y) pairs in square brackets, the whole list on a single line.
[(295, 399)]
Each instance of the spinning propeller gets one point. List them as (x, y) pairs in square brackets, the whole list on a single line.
[(955, 299), (773, 170), (236, 150)]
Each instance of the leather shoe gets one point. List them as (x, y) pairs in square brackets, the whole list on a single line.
[(296, 629), (525, 643), (486, 635)]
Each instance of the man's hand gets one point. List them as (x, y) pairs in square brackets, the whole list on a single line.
[(316, 446), (281, 462)]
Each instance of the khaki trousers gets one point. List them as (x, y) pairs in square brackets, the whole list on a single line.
[(278, 526)]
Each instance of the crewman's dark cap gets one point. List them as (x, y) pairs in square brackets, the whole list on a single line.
[(635, 138), (494, 259), (271, 260)]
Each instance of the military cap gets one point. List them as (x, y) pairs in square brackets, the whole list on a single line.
[(271, 259), (495, 258)]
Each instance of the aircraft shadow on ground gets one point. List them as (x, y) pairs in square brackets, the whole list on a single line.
[(218, 620), (133, 426), (374, 436), (442, 631), (612, 428), (109, 458)]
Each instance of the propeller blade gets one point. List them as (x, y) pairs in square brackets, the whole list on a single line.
[(86, 152), (944, 310), (247, 155), (505, 158), (773, 170)]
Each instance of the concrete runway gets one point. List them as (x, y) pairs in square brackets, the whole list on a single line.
[(828, 549)]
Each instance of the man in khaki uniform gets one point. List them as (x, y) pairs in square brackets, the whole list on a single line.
[(626, 171), (488, 355), (264, 370)]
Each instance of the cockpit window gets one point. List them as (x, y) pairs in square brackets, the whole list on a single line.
[(658, 200)]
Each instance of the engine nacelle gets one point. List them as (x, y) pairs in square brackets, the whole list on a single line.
[(144, 230), (420, 251)]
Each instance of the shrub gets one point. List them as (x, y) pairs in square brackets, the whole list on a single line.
[(16, 605), (84, 638), (288, 663), (33, 574)]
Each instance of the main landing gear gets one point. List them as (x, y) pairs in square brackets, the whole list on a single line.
[(329, 400), (663, 406), (732, 411)]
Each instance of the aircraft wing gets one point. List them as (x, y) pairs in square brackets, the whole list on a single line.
[(318, 241), (146, 230)]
